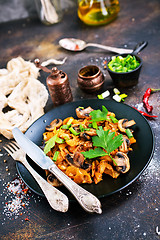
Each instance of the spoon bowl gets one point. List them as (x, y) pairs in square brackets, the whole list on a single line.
[(75, 45), (72, 44)]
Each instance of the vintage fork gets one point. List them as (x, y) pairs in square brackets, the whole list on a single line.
[(57, 200)]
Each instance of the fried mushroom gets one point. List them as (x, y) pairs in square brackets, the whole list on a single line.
[(85, 136), (92, 132), (83, 112), (55, 123), (53, 180), (121, 161), (125, 145), (123, 124), (78, 161)]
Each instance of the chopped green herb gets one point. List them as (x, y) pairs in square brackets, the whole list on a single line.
[(123, 96), (114, 120), (116, 91), (72, 130), (70, 121), (55, 156), (107, 140), (97, 152), (87, 129), (129, 133), (81, 128), (100, 96), (94, 124), (51, 143), (104, 95), (120, 97), (123, 64), (117, 98), (65, 126), (104, 140), (98, 115)]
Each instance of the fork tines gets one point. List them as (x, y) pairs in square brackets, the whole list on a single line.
[(11, 147)]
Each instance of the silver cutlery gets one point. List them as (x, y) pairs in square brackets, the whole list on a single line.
[(76, 45), (57, 200), (87, 200)]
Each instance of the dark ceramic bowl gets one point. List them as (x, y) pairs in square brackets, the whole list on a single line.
[(126, 79)]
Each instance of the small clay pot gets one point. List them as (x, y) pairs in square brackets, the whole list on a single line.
[(90, 78)]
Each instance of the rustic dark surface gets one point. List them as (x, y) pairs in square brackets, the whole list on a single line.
[(133, 213)]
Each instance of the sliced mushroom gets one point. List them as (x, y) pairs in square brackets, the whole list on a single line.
[(78, 159), (125, 145), (92, 132), (69, 159), (83, 112), (53, 180), (87, 166), (123, 124), (85, 136), (55, 123), (121, 161), (76, 127)]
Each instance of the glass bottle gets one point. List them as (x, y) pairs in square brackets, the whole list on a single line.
[(98, 12), (49, 11)]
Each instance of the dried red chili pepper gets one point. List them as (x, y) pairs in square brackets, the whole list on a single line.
[(145, 114), (146, 96)]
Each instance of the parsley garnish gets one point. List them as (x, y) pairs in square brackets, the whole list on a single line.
[(105, 140), (51, 143), (93, 153), (98, 115)]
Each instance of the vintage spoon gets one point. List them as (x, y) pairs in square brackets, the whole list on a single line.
[(73, 44)]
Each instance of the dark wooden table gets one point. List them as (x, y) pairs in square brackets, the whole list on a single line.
[(133, 213)]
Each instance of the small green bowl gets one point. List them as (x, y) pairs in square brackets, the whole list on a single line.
[(126, 79)]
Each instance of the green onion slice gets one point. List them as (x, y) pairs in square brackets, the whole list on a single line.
[(55, 156), (129, 133)]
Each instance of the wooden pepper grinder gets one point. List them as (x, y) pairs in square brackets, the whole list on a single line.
[(58, 85)]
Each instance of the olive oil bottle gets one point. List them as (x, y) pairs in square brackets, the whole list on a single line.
[(98, 12)]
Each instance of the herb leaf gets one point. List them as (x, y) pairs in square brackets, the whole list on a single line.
[(97, 152), (98, 115), (104, 140), (51, 143)]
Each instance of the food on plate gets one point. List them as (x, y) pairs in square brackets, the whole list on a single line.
[(86, 148), (123, 64), (22, 96)]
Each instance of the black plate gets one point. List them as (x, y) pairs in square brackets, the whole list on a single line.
[(139, 157)]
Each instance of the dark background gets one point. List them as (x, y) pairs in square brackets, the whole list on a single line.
[(133, 213)]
